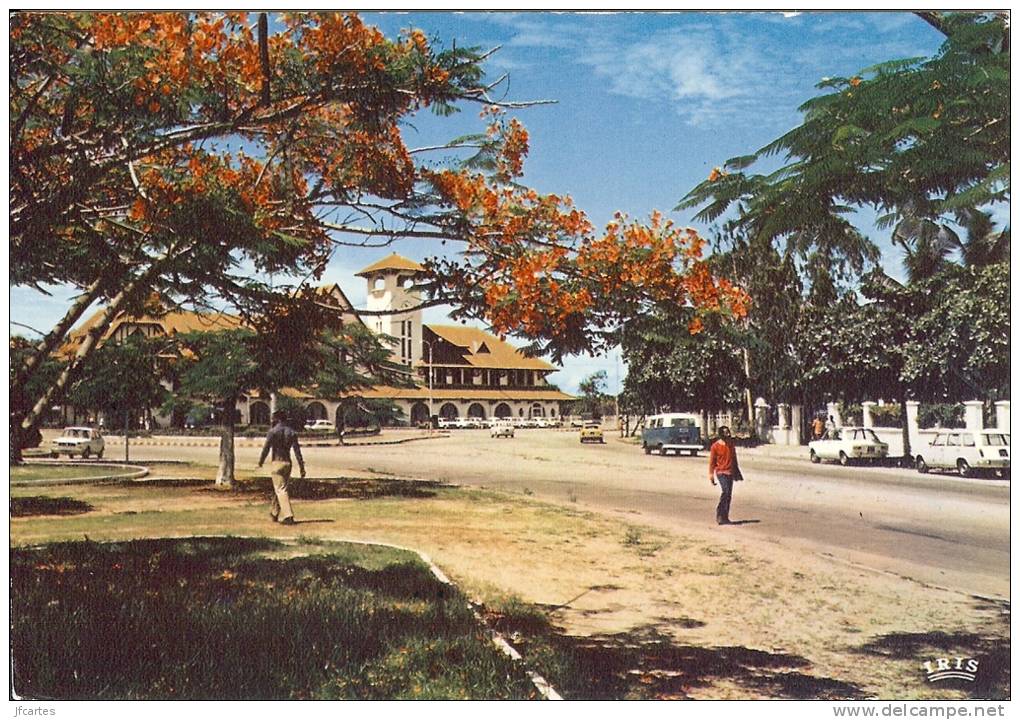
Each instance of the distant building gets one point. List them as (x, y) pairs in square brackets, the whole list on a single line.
[(457, 371)]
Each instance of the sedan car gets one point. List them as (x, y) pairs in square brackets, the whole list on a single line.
[(592, 432), (321, 425), (848, 445), (966, 451), (83, 441), (501, 428)]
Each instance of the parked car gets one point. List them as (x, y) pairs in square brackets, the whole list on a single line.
[(847, 445), (592, 432), (83, 441), (321, 425), (679, 432), (501, 428), (448, 423), (966, 451)]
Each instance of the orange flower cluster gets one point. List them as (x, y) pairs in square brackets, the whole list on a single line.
[(205, 49)]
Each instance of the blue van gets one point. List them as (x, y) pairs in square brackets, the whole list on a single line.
[(676, 432)]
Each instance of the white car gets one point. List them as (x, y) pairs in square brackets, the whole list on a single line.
[(847, 445), (503, 428), (966, 451), (321, 425), (83, 441)]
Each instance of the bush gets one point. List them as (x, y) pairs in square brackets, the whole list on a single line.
[(941, 415), (887, 416)]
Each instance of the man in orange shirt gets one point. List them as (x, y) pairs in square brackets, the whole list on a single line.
[(723, 467)]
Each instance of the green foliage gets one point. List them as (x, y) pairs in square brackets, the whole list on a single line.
[(946, 415), (123, 377), (916, 139), (960, 348), (593, 395), (887, 416), (671, 369)]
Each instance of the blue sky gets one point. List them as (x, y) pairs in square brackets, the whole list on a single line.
[(646, 105)]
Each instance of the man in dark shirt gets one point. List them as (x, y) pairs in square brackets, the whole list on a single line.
[(280, 440)]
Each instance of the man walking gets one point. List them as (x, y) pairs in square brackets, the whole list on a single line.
[(280, 439), (723, 467)]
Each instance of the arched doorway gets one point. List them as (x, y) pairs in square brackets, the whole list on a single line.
[(448, 411), (537, 410), (315, 411), (419, 413), (503, 411), (258, 413), (475, 410)]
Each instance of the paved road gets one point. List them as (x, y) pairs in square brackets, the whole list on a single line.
[(938, 529)]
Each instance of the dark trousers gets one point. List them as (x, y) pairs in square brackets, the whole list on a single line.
[(722, 511)]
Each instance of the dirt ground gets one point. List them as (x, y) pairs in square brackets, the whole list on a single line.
[(757, 619)]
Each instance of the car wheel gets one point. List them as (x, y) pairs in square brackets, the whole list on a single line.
[(843, 459), (55, 455), (99, 455), (921, 465), (814, 457), (648, 450), (661, 451), (86, 453), (964, 467)]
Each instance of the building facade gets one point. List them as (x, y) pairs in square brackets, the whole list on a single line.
[(455, 370)]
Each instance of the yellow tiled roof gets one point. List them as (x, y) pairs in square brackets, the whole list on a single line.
[(392, 262), (171, 323), (501, 354)]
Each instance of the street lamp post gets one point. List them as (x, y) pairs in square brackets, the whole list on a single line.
[(429, 343)]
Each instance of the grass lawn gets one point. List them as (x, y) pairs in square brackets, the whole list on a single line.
[(231, 618)]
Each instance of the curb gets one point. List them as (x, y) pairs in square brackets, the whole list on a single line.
[(541, 684), (136, 471)]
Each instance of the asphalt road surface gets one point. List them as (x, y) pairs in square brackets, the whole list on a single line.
[(937, 529)]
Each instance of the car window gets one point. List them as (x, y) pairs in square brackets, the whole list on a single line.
[(995, 439), (953, 440), (683, 422), (870, 436), (940, 440), (967, 439)]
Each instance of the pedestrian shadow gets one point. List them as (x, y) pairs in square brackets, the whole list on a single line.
[(318, 520), (648, 663), (343, 488), (744, 522), (991, 681)]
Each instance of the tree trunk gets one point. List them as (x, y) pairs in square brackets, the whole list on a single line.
[(31, 419), (33, 416), (225, 473), (908, 455), (127, 434), (54, 337), (747, 391)]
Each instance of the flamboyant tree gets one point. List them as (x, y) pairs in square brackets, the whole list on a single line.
[(180, 152)]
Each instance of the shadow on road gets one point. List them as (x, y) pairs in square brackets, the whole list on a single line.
[(647, 663)]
